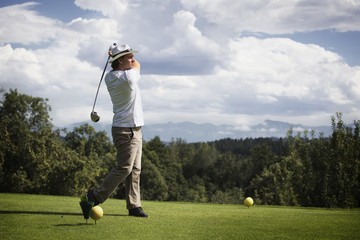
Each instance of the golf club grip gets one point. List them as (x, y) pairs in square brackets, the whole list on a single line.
[(97, 92)]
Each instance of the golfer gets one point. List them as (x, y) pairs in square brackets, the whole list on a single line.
[(122, 84)]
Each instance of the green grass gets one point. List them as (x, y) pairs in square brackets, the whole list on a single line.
[(52, 217)]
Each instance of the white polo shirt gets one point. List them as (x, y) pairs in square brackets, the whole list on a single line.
[(125, 96)]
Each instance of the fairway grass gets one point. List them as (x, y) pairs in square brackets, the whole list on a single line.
[(25, 216)]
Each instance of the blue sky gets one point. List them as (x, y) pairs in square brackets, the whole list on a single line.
[(221, 62)]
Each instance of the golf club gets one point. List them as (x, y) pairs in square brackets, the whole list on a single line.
[(94, 116)]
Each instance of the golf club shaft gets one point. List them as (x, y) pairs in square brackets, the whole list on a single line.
[(97, 92)]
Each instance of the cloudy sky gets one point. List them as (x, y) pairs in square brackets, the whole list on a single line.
[(215, 61)]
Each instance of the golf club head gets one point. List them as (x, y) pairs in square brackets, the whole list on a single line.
[(94, 117), (111, 48)]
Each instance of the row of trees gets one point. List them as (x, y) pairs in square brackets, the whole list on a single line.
[(314, 171), (300, 170), (36, 159)]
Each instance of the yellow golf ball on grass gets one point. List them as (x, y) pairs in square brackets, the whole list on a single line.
[(248, 202), (96, 213)]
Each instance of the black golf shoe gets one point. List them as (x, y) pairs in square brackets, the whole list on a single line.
[(137, 212), (86, 206)]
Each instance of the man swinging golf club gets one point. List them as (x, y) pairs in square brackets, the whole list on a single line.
[(122, 84)]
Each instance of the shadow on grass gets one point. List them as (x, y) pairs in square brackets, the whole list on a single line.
[(55, 213), (40, 212), (74, 225), (60, 214)]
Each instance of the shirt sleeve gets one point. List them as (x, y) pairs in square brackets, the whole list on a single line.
[(132, 76)]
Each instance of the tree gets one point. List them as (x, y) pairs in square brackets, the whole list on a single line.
[(33, 159), (153, 185), (344, 164), (168, 166), (204, 158), (25, 124)]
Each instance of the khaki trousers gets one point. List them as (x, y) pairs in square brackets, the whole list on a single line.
[(128, 143)]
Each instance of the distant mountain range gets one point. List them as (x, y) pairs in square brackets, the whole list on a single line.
[(193, 132)]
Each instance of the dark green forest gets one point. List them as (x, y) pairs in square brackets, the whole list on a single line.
[(299, 170)]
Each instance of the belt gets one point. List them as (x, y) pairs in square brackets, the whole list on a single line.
[(135, 128)]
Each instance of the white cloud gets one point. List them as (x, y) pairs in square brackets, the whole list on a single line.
[(187, 39), (279, 78), (188, 51), (110, 9), (68, 83), (139, 22), (276, 68), (278, 17), (19, 24), (19, 68)]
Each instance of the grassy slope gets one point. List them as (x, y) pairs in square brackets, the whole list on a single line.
[(53, 217)]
